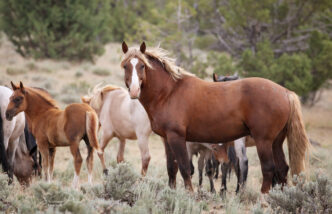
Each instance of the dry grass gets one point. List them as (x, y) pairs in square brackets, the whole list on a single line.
[(67, 81)]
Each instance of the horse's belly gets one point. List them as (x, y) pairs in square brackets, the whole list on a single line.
[(58, 139), (219, 132), (127, 133)]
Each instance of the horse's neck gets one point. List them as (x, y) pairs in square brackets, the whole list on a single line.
[(159, 85), (36, 106)]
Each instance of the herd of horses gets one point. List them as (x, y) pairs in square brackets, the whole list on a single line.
[(216, 120)]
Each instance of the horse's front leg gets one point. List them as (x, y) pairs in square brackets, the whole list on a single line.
[(177, 144), (75, 151), (201, 160), (105, 139), (122, 145), (264, 150), (10, 155), (143, 144), (209, 171), (224, 171), (172, 166), (44, 151), (51, 161)]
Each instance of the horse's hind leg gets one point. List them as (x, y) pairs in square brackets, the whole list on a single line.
[(143, 144), (281, 169), (241, 156), (172, 166), (89, 163), (51, 161), (264, 150), (105, 139), (238, 174), (74, 149)]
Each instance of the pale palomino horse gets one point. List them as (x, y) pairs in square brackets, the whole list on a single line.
[(15, 155), (120, 117)]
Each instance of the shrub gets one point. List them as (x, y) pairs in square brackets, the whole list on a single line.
[(304, 197), (154, 196), (101, 72), (248, 196), (15, 71), (32, 66), (78, 74), (120, 182), (5, 191), (76, 88)]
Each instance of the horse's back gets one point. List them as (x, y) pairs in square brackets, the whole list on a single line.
[(75, 115), (231, 109)]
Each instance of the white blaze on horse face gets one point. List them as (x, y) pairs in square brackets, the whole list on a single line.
[(134, 88)]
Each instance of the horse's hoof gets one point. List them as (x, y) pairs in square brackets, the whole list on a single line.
[(105, 171)]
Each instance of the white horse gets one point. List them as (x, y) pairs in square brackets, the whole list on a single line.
[(120, 117), (16, 157)]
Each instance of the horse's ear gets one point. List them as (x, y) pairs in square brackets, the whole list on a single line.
[(14, 87), (215, 77), (124, 47), (22, 87), (142, 47), (86, 99), (102, 95)]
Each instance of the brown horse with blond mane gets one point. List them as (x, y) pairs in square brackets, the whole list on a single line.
[(182, 107), (53, 127)]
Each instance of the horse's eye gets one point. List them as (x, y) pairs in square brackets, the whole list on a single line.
[(17, 99), (125, 67), (142, 66)]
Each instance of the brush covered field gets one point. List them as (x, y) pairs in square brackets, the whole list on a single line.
[(124, 190)]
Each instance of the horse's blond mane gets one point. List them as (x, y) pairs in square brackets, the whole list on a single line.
[(96, 91), (160, 55), (42, 93), (98, 88)]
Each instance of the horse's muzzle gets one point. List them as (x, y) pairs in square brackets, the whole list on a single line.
[(9, 115), (134, 93)]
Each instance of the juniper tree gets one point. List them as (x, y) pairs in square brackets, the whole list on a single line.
[(71, 29)]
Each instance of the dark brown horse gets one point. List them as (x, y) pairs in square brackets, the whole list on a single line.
[(182, 107)]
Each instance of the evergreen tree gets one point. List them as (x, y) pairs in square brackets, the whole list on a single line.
[(70, 29)]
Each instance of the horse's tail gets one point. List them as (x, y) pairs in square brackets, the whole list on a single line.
[(4, 162), (297, 139), (91, 130)]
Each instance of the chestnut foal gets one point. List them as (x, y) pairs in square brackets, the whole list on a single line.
[(53, 127)]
